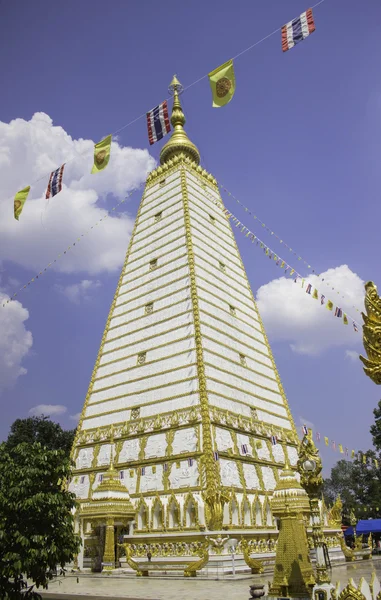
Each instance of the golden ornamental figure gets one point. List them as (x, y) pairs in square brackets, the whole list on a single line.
[(372, 333)]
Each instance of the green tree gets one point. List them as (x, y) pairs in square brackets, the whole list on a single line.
[(375, 430), (42, 430), (358, 484), (36, 520)]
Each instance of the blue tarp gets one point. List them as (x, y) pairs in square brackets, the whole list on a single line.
[(368, 526), (349, 531)]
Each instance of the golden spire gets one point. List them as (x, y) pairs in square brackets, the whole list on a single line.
[(179, 141)]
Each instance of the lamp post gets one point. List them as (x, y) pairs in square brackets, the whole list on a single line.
[(309, 466)]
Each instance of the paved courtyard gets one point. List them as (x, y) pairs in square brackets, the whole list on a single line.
[(170, 588)]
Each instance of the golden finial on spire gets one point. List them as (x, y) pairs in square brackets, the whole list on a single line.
[(179, 141)]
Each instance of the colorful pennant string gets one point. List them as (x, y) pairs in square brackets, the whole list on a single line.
[(36, 277), (102, 149), (280, 262), (359, 454), (281, 241)]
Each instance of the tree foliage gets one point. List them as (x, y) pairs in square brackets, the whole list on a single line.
[(36, 521), (42, 430), (359, 487), (375, 429)]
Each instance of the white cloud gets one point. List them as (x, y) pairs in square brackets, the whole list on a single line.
[(15, 341), (75, 417), (77, 292), (28, 151), (49, 410), (352, 355), (291, 315)]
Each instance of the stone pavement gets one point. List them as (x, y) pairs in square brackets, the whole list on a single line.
[(171, 588)]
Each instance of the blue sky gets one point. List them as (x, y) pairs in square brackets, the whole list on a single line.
[(299, 144)]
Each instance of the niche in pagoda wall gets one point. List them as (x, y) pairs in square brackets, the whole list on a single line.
[(185, 440), (130, 450), (184, 475), (156, 445)]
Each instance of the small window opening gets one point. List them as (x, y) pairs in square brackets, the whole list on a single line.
[(158, 216), (153, 264), (232, 310), (142, 358), (148, 309)]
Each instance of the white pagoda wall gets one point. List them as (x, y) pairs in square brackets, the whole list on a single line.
[(166, 335), (230, 385)]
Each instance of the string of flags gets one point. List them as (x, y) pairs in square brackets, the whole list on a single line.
[(288, 269), (222, 83), (72, 245), (348, 453), (281, 241)]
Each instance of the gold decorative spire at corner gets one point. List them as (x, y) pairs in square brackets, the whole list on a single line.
[(179, 141), (372, 333)]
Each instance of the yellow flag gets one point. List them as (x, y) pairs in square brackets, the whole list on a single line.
[(341, 449), (329, 304), (345, 319), (353, 454), (101, 154), (222, 83), (364, 459), (315, 294), (326, 441), (376, 463), (19, 201)]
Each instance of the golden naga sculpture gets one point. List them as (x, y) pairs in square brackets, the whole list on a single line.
[(193, 567), (372, 333), (214, 508), (335, 514), (131, 563), (312, 479), (256, 566)]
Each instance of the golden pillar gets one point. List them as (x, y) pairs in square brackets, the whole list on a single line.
[(109, 553), (372, 333), (293, 574), (309, 466)]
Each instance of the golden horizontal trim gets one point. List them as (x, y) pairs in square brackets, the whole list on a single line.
[(205, 261), (144, 294), (110, 387), (263, 387), (151, 402), (176, 239), (148, 362), (150, 337), (166, 214), (185, 312), (170, 222), (223, 289), (160, 266), (139, 244), (159, 207), (208, 337), (237, 317), (236, 340), (201, 221), (234, 400), (126, 357), (236, 328), (238, 364), (157, 311), (197, 235), (160, 274), (128, 274), (234, 387), (155, 301), (163, 191)]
